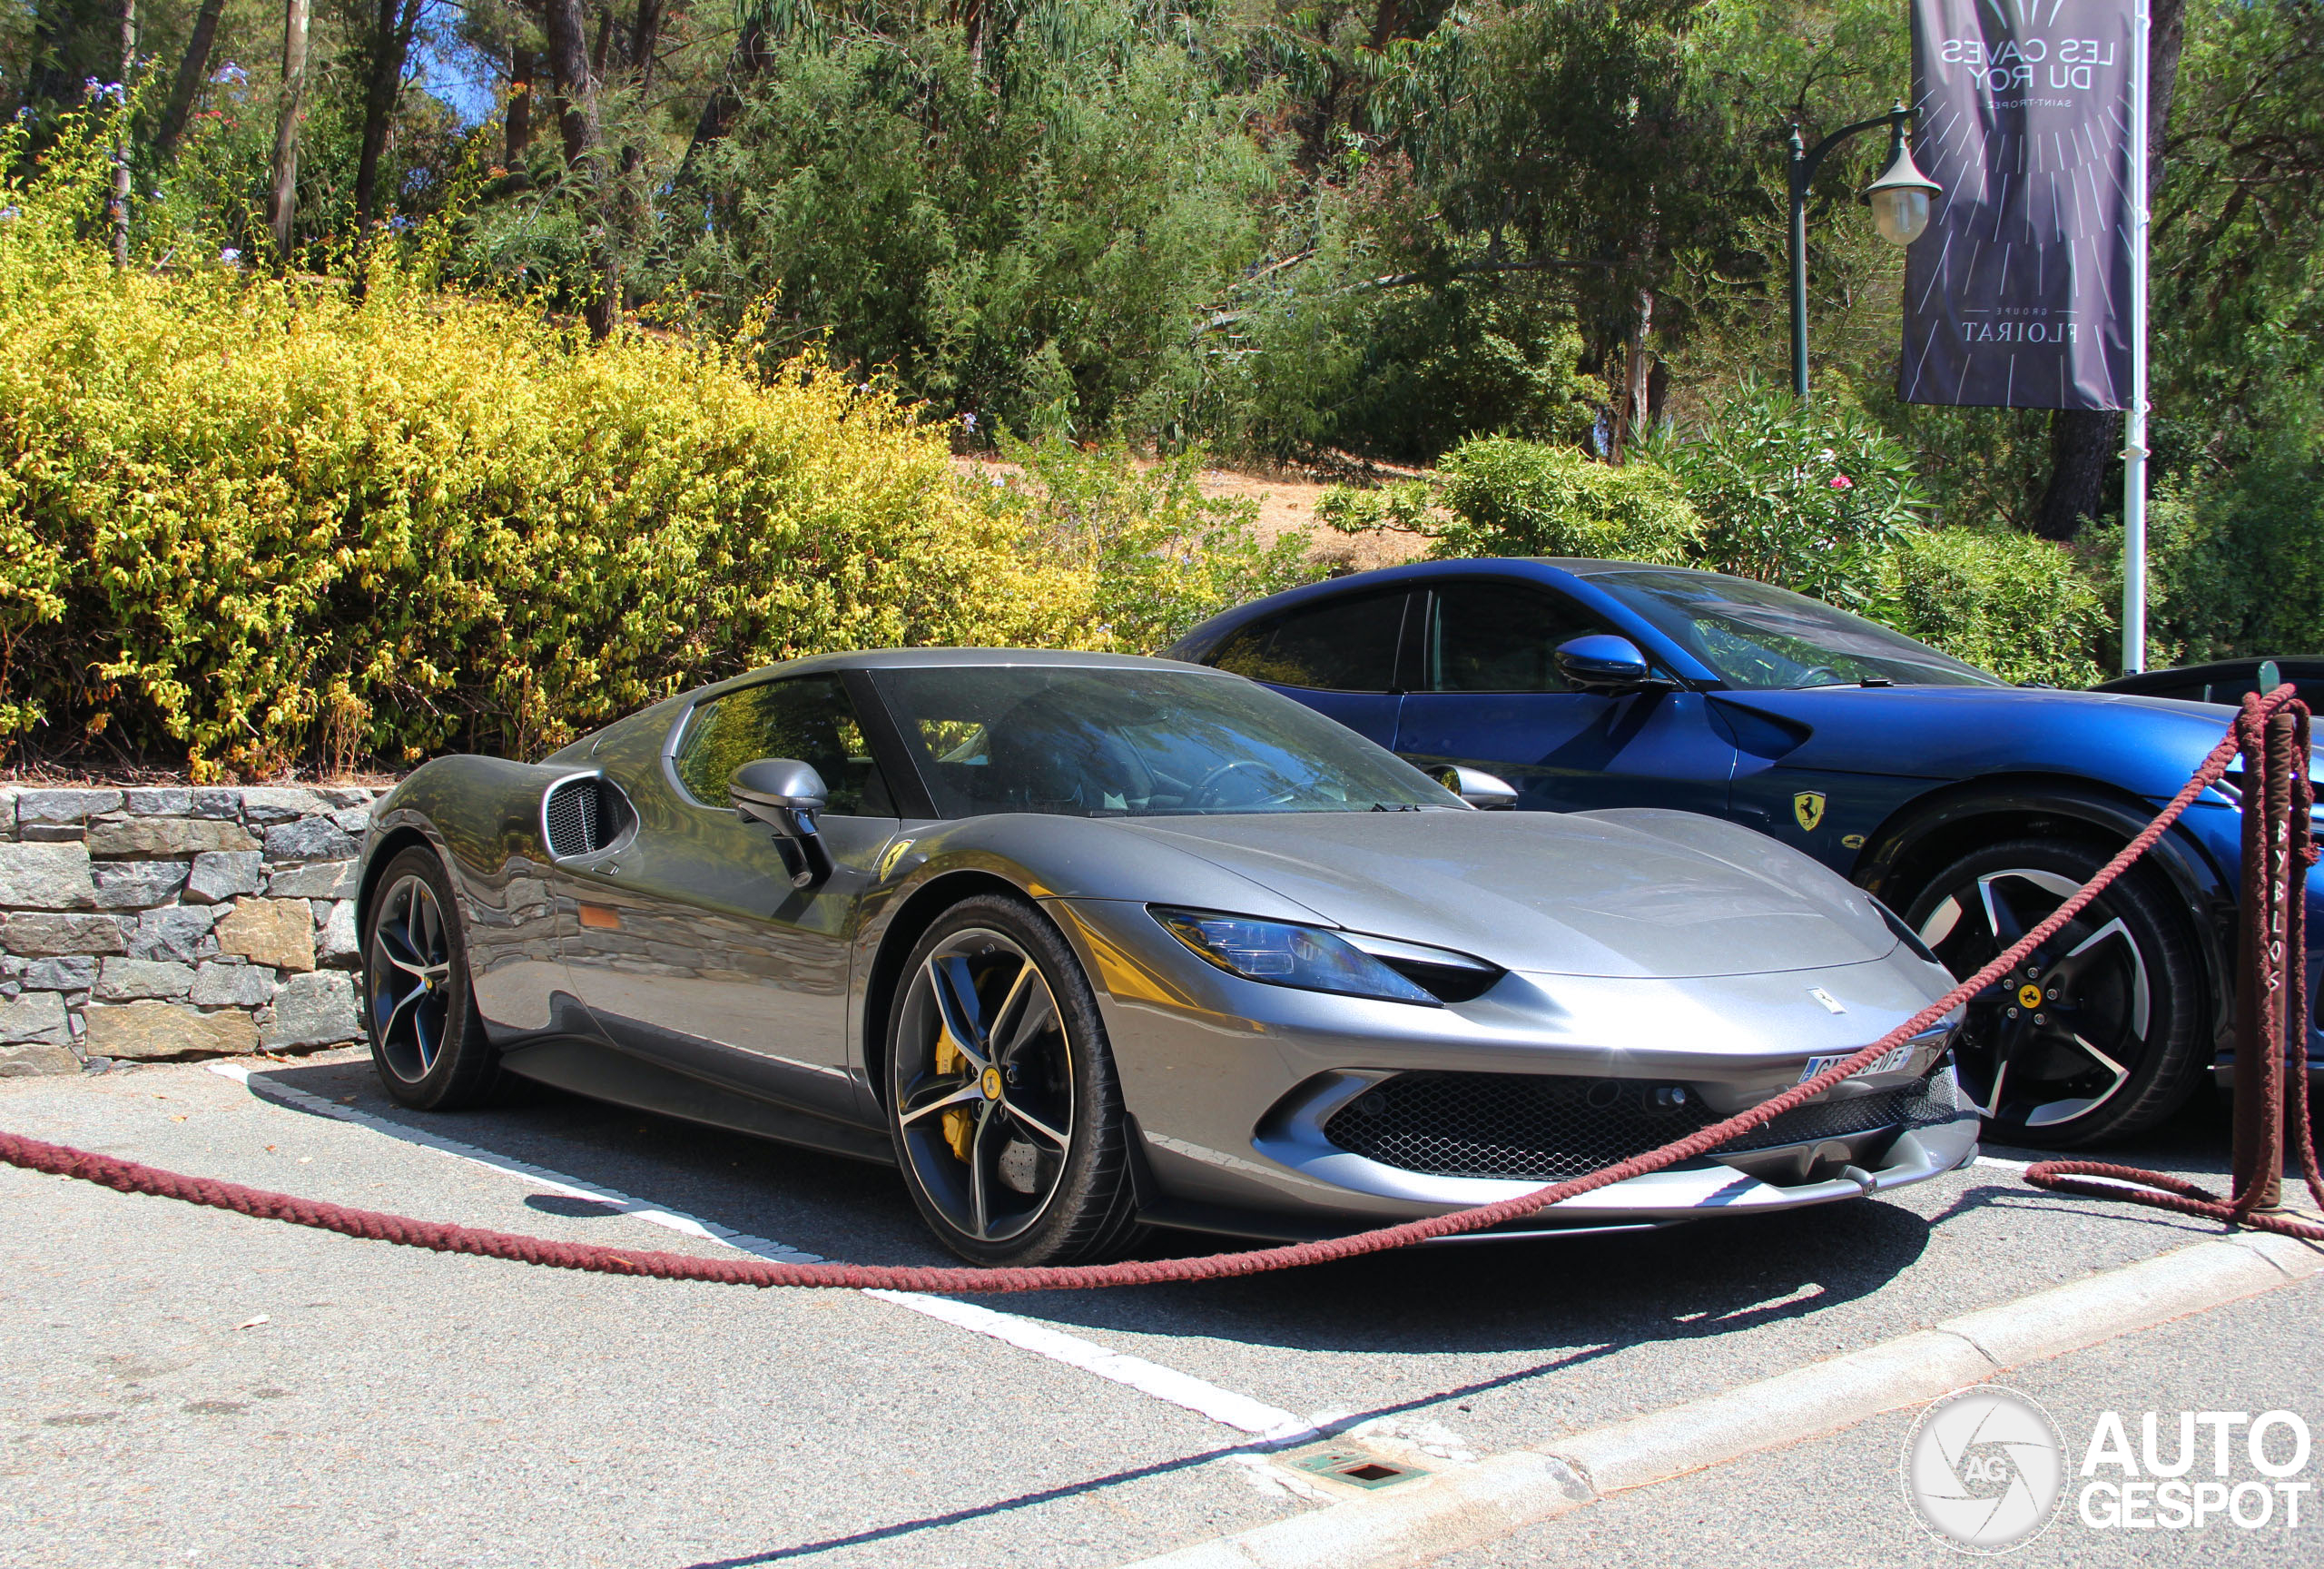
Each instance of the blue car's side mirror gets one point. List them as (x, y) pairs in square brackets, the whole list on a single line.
[(1603, 662)]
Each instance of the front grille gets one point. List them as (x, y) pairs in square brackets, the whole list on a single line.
[(576, 818), (1544, 1127)]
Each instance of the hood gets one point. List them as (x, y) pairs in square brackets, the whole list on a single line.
[(1629, 894), (2148, 744)]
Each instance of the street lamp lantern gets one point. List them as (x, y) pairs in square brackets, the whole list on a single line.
[(1899, 200)]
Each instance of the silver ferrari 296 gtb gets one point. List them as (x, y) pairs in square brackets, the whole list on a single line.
[(1083, 944)]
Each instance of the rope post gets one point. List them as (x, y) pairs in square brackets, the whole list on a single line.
[(2270, 768)]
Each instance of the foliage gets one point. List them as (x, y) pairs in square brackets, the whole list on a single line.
[(2010, 602), (255, 522), (1162, 555), (1497, 496), (1813, 497), (2235, 566)]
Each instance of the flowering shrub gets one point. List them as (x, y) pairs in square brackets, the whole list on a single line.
[(253, 523), (1813, 497)]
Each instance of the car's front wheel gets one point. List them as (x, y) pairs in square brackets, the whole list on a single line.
[(428, 1042), (1001, 1097), (2095, 1035)]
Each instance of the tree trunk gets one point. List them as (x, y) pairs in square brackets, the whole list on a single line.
[(2085, 442), (283, 202), (391, 48), (119, 206), (752, 55), (522, 65), (576, 89), (644, 39), (191, 72), (1638, 365)]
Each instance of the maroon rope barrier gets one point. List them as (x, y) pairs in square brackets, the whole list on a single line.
[(130, 1177), (2271, 1001)]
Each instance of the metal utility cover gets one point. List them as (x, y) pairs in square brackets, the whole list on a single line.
[(1355, 1467)]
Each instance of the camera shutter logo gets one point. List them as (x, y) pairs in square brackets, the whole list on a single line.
[(1984, 1469)]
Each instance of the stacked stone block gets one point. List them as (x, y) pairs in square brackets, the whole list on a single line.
[(137, 923)]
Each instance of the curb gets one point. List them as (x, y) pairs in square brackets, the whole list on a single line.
[(1452, 1509)]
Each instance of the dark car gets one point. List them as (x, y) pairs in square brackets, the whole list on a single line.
[(1972, 806), (2228, 681)]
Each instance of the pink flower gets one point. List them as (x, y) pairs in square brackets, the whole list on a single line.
[(1842, 482)]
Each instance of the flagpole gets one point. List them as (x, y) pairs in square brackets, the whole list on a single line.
[(2134, 453)]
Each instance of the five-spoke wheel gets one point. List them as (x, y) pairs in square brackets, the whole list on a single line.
[(1000, 1091), (2094, 1033), (426, 1041)]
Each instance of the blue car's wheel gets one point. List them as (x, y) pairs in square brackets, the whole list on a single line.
[(2095, 1035)]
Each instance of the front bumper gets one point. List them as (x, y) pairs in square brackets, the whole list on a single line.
[(1232, 1084)]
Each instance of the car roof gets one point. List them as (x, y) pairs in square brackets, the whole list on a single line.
[(954, 659)]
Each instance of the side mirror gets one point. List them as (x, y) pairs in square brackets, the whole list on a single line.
[(1603, 662), (785, 795), (1485, 792)]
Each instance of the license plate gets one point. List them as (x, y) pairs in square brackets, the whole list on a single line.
[(1889, 1063)]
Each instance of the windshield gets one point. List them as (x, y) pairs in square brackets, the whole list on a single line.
[(1755, 634), (1125, 741)]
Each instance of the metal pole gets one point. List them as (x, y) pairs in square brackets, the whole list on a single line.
[(1797, 174), (2134, 453)]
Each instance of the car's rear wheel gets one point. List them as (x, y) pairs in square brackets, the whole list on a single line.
[(1001, 1098), (2097, 1033), (428, 1042)]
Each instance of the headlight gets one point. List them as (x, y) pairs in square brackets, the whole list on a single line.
[(1314, 960)]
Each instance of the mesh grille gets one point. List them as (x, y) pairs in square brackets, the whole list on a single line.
[(1543, 1127), (576, 819)]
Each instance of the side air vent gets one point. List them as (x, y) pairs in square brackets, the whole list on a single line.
[(582, 816)]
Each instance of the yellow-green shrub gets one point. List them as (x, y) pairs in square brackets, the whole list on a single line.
[(258, 522)]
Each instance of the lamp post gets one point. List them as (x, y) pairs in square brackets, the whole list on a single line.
[(1899, 200)]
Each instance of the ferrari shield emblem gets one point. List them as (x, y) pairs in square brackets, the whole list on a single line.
[(1808, 807)]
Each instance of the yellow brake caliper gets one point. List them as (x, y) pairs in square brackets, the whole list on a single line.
[(959, 1125)]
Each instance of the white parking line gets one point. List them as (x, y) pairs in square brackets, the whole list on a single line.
[(1225, 1407)]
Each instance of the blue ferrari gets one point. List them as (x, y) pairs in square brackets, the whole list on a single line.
[(1970, 807)]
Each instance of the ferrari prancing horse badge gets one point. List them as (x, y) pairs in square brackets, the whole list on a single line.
[(1808, 807)]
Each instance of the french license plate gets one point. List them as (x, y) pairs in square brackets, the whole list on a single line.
[(1889, 1063)]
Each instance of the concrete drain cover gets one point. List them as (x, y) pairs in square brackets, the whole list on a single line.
[(1355, 1467)]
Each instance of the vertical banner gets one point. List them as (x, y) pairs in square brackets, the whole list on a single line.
[(2019, 294)]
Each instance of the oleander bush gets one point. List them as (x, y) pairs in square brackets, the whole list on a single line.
[(252, 523)]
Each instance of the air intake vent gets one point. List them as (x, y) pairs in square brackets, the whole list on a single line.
[(580, 816)]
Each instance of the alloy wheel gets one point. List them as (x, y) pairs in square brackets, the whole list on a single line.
[(2062, 1034), (985, 1096), (409, 977)]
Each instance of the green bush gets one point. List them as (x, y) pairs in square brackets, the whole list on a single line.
[(254, 524), (1503, 496), (1162, 555), (2237, 566), (1811, 497), (2008, 602)]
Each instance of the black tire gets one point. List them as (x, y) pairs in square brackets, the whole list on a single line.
[(428, 1042), (1013, 1144), (2098, 1035)]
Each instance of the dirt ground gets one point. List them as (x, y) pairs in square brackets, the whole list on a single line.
[(1287, 499)]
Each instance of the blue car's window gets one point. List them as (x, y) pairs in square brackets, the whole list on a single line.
[(807, 717), (1500, 637), (1755, 635), (1128, 742), (1340, 646)]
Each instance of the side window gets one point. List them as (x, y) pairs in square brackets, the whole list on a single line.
[(1499, 638), (1341, 645), (807, 717)]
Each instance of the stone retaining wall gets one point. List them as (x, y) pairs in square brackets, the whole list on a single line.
[(154, 923)]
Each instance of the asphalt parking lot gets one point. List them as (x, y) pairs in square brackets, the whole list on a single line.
[(182, 1385)]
